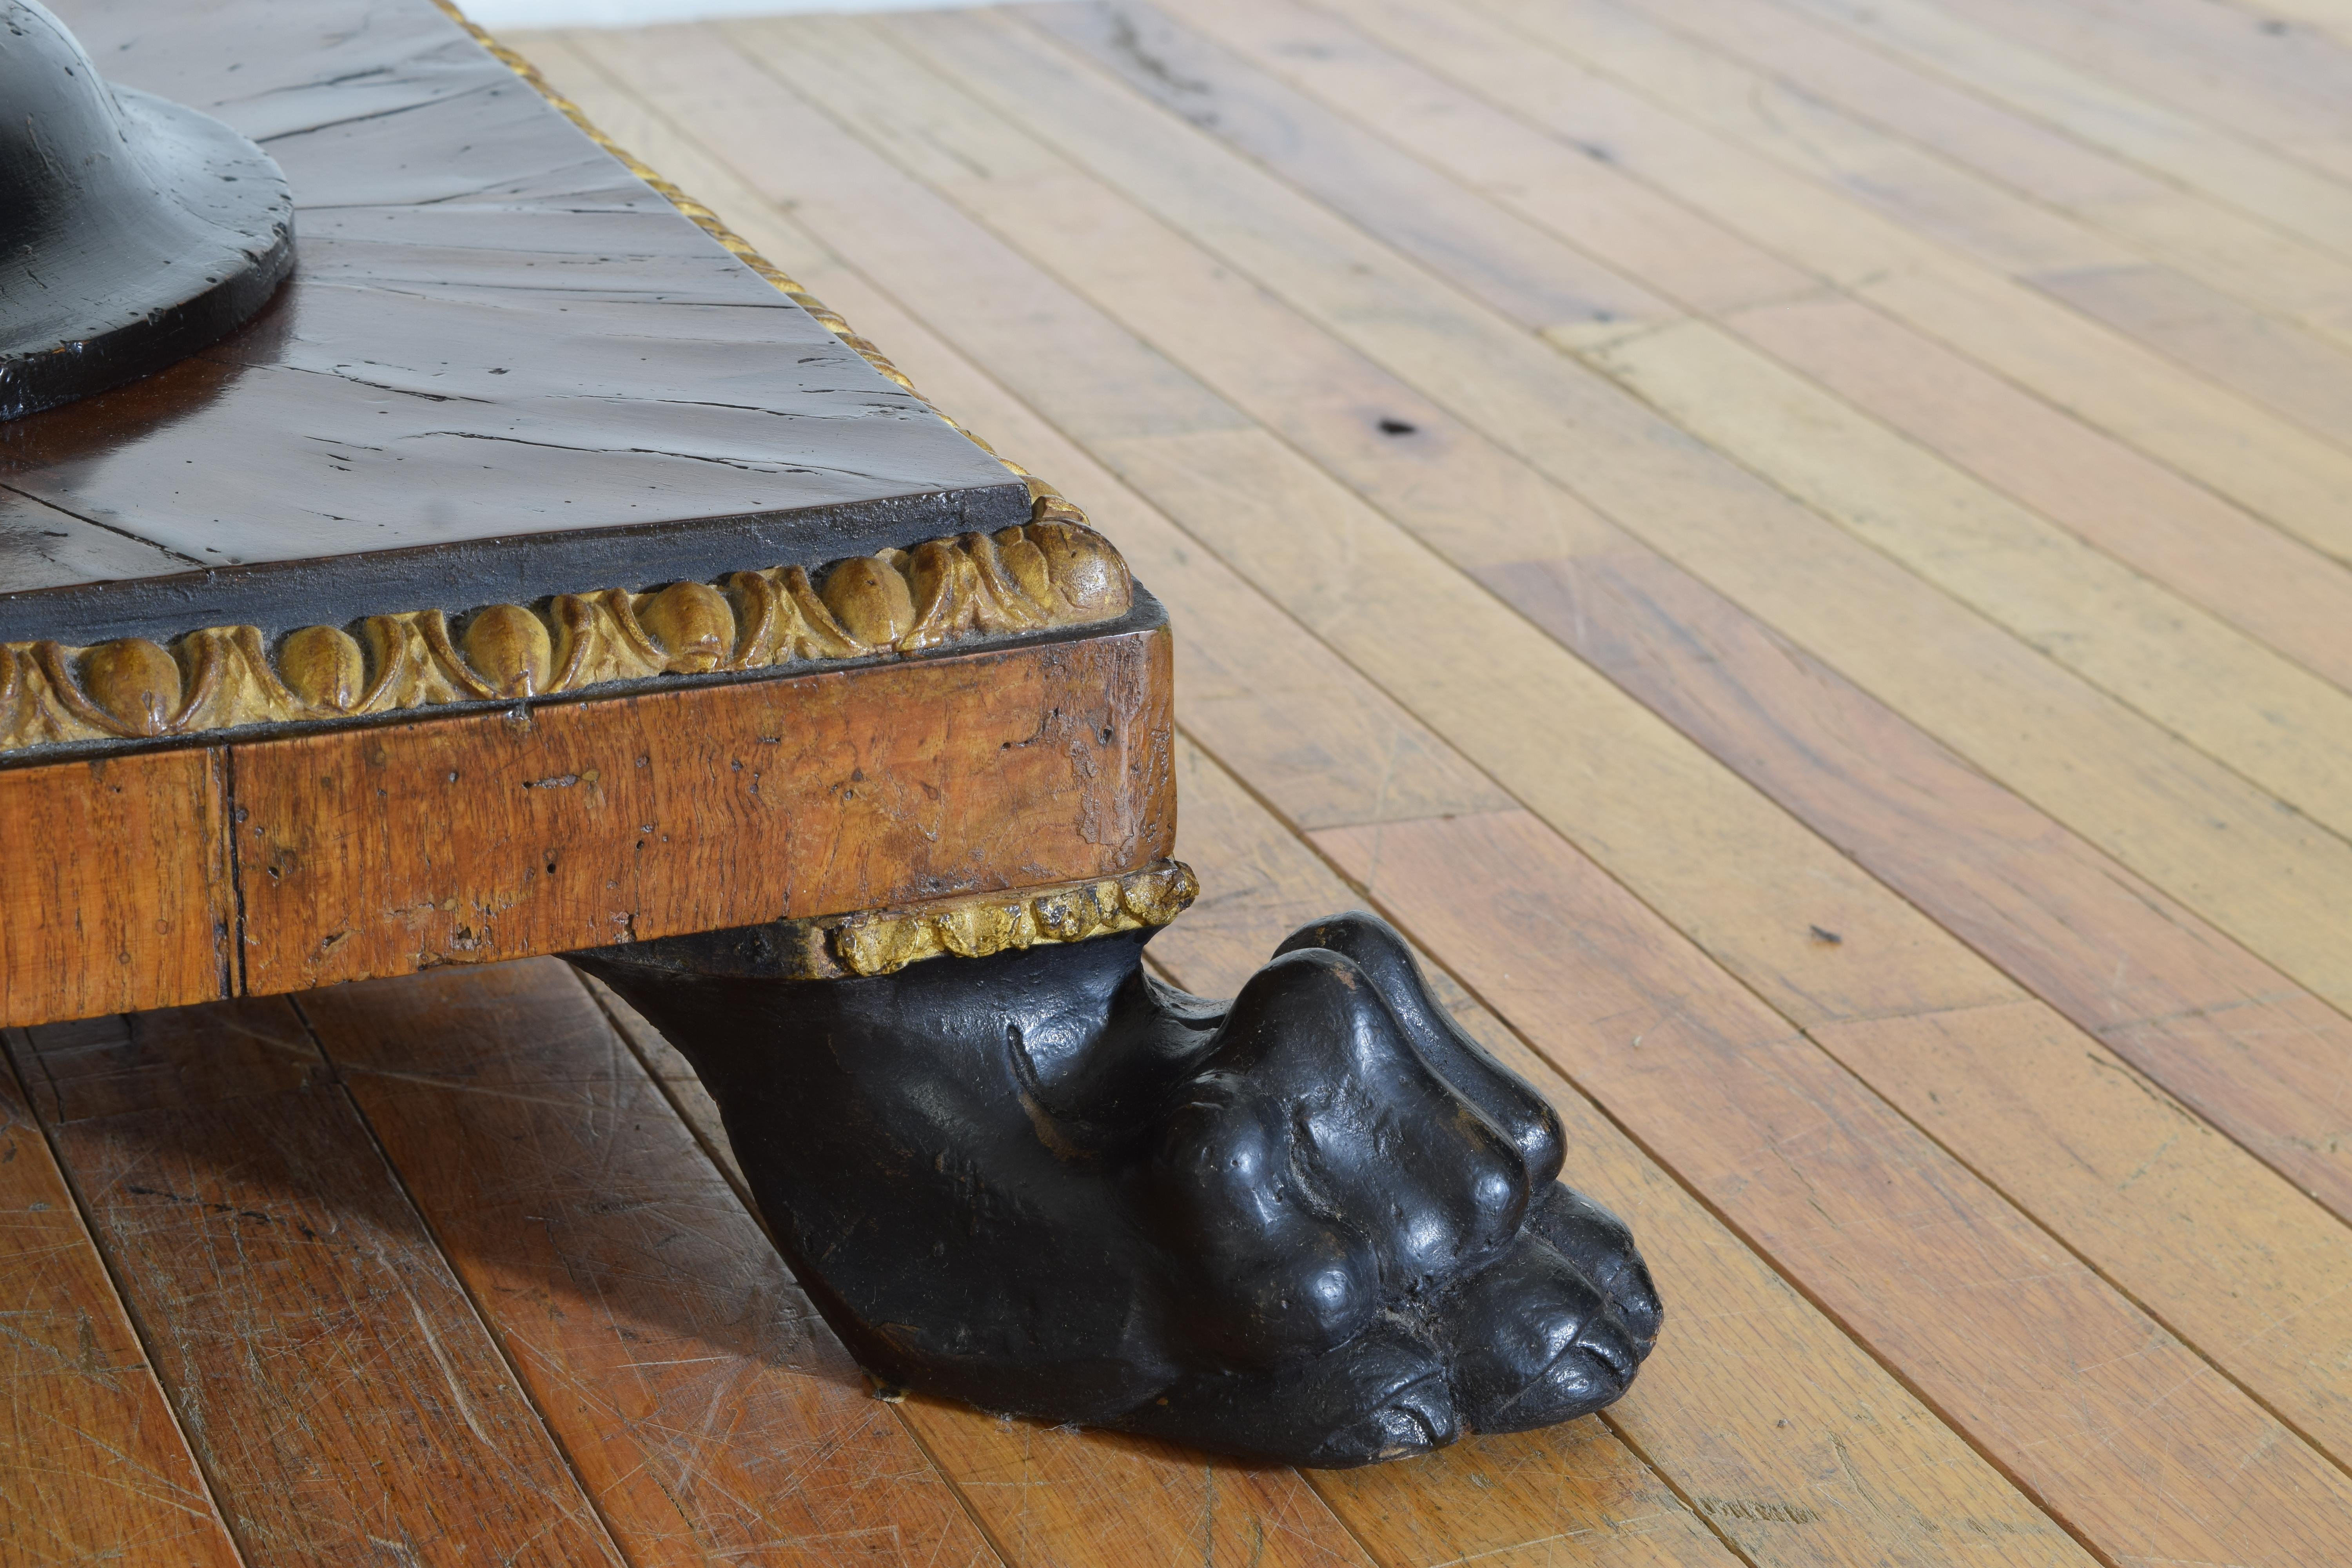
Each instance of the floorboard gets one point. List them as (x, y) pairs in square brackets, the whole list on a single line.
[(2108, 774), (706, 1407), (2279, 85), (840, 60), (1704, 879), (2109, 625), (92, 1462), (2197, 1013), (2074, 1392), (1839, 1464), (1800, 549), (1684, 54), (2182, 148), (1524, 53), (2240, 255), (333, 1379)]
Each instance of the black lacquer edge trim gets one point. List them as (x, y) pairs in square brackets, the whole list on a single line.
[(278, 597)]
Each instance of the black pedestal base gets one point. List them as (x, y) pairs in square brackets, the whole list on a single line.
[(1319, 1226), (133, 230)]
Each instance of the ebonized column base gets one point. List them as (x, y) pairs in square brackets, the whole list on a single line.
[(1317, 1226)]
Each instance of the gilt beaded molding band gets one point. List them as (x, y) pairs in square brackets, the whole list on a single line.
[(874, 943), (1040, 577), (883, 941)]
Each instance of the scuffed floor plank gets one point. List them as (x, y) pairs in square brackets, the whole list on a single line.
[(2114, 1425), (710, 1413), (1784, 1494), (92, 1468), (677, 1400), (1782, 1433), (329, 1370)]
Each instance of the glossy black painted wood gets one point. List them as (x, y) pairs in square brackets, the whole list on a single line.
[(504, 368), (133, 230), (1319, 1224)]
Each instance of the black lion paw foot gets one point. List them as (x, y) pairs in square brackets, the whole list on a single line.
[(1373, 1245), (1319, 1226)]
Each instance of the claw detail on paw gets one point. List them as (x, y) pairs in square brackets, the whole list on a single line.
[(1318, 1225)]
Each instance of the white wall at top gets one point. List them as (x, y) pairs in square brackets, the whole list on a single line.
[(496, 14)]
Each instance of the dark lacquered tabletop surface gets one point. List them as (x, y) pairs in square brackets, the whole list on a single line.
[(504, 368)]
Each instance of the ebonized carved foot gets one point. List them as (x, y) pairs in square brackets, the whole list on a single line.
[(1318, 1225)]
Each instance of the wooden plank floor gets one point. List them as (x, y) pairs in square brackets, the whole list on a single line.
[(1800, 549)]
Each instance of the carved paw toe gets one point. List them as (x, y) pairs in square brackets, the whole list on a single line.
[(1316, 1124), (1601, 1247), (1269, 1280), (1532, 1341), (1347, 1161), (1500, 1095), (1384, 1395)]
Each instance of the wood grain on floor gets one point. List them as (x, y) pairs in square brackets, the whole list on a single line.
[(1802, 550)]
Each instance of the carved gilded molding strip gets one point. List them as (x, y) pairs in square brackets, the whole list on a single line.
[(883, 941), (1046, 503), (1044, 575)]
